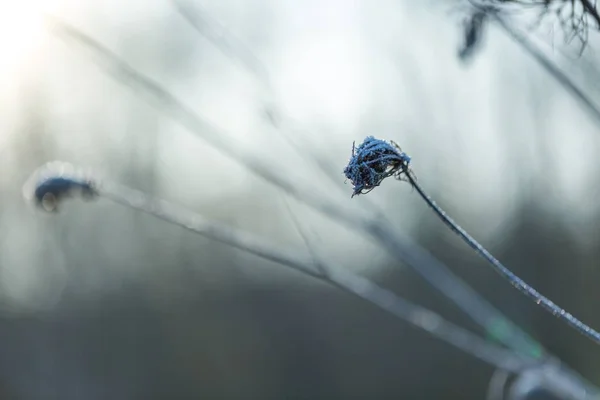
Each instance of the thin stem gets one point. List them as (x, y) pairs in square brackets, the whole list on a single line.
[(591, 9), (341, 278), (506, 273), (543, 60), (317, 259), (224, 40)]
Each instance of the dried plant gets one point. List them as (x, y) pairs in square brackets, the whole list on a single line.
[(575, 18), (375, 159)]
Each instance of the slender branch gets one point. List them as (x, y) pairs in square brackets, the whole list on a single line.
[(506, 273), (317, 259), (224, 40), (591, 10), (543, 60), (59, 186), (221, 38)]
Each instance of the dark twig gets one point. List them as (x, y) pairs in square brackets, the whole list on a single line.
[(543, 60)]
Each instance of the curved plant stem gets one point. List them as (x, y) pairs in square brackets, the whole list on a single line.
[(414, 314), (506, 273)]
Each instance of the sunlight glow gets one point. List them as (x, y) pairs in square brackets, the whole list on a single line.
[(21, 33), (325, 76)]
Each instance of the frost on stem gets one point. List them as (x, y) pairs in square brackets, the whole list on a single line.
[(373, 161), (55, 181)]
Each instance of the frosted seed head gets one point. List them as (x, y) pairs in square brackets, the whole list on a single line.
[(55, 181), (373, 161)]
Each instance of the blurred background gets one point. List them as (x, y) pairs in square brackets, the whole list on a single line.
[(100, 301)]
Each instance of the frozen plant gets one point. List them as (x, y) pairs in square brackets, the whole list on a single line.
[(375, 159)]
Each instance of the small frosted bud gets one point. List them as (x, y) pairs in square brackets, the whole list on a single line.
[(56, 181), (372, 162)]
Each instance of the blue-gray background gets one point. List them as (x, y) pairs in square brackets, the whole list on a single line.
[(103, 302)]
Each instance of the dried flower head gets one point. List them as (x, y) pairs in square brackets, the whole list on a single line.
[(55, 181), (372, 162)]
